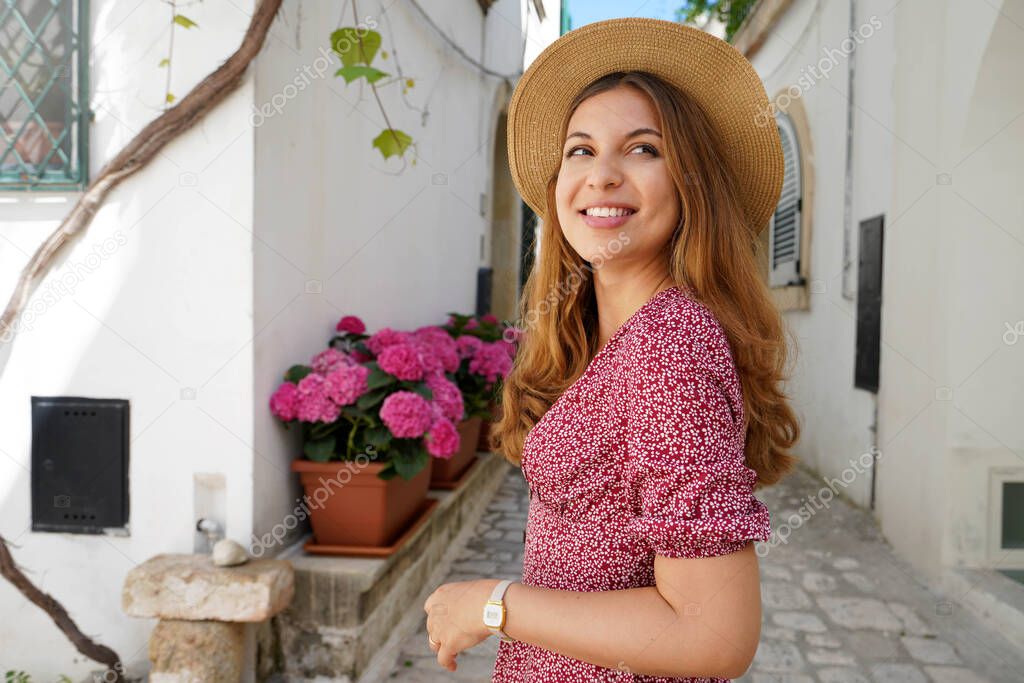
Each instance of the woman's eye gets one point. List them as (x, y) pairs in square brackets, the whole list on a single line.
[(646, 147)]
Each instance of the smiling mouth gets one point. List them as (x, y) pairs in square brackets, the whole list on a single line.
[(604, 212)]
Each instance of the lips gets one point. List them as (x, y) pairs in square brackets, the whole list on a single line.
[(607, 221)]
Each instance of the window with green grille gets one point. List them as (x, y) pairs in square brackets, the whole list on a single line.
[(43, 94)]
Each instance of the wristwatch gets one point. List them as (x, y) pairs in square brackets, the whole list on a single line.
[(494, 610)]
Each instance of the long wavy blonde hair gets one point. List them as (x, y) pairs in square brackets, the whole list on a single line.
[(712, 252)]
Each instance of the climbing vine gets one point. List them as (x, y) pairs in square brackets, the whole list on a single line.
[(357, 46), (729, 12), (177, 19)]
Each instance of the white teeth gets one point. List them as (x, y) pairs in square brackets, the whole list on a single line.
[(607, 211)]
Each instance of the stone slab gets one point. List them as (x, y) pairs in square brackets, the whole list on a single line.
[(180, 586)]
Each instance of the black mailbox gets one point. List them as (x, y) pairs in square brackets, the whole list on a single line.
[(79, 464)]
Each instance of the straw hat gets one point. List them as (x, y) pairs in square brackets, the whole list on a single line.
[(710, 70)]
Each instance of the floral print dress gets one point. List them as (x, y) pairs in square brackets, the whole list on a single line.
[(642, 455)]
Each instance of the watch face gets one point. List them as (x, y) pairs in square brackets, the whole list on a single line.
[(492, 615)]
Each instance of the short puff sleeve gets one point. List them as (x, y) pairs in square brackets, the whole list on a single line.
[(689, 485)]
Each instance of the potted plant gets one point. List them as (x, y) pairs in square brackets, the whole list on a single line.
[(374, 412), (483, 390)]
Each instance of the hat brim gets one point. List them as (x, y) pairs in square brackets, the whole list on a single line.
[(711, 71)]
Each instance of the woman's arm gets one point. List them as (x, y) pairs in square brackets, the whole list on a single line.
[(702, 619)]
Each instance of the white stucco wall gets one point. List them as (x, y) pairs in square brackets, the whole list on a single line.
[(805, 50), (158, 301), (936, 149), (957, 281), (396, 246), (229, 259)]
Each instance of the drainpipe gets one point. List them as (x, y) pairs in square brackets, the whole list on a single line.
[(848, 235)]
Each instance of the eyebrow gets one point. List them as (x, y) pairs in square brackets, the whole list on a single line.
[(638, 131)]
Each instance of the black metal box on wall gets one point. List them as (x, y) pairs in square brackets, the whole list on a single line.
[(79, 464)]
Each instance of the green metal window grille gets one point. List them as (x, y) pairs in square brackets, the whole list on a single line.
[(44, 94)]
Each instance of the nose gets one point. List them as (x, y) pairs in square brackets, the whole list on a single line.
[(604, 172)]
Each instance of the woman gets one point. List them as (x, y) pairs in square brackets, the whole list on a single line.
[(644, 399)]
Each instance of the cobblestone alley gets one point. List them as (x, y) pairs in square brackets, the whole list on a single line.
[(839, 607)]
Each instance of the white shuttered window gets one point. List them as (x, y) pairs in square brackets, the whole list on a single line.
[(784, 228)]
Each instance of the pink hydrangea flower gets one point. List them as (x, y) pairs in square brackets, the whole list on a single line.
[(328, 359), (491, 361), (351, 324), (442, 440), (430, 331), (489, 318), (447, 397), (346, 383), (509, 347), (402, 361), (385, 337), (471, 324), (284, 402), (468, 345), (439, 350), (314, 405), (407, 414)]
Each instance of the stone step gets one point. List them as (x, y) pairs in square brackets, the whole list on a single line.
[(345, 608)]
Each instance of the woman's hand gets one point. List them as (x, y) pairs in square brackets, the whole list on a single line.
[(455, 617)]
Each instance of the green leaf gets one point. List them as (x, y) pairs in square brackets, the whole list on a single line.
[(296, 372), (378, 378), (170, 97), (182, 20), (372, 398), (320, 450), (423, 390), (378, 437), (351, 73), (392, 142), (409, 466), (346, 43), (164, 62), (353, 412), (388, 472), (321, 430)]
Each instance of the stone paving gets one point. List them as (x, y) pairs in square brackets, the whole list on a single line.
[(838, 605)]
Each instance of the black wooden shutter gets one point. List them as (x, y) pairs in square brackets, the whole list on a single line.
[(869, 304)]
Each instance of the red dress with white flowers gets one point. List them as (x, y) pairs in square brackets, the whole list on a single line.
[(642, 455)]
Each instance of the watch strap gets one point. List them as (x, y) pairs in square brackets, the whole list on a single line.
[(498, 597)]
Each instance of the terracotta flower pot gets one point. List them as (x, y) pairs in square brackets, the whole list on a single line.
[(350, 505), (485, 429), (446, 471)]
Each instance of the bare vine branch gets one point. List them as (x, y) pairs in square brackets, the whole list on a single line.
[(137, 154)]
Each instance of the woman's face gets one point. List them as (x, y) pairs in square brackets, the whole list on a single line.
[(614, 156)]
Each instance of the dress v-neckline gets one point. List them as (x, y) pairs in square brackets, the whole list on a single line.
[(628, 322)]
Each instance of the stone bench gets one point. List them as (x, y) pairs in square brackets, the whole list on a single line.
[(207, 613)]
